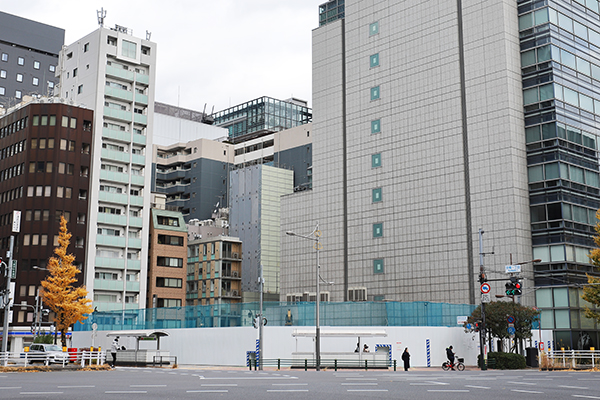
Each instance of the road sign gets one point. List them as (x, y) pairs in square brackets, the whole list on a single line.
[(486, 298), (510, 319), (511, 330), (13, 270), (512, 269), (461, 319), (485, 288)]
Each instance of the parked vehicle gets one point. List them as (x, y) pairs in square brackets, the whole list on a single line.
[(51, 353)]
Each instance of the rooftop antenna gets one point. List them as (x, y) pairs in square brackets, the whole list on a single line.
[(148, 34), (101, 15)]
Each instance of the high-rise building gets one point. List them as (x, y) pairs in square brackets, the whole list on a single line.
[(429, 126), (113, 72), (45, 158), (28, 58)]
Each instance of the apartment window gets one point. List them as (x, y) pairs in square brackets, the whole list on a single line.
[(35, 81), (2, 74), (378, 266), (111, 40), (80, 89), (170, 240), (168, 302), (168, 221), (129, 49), (36, 65), (378, 230), (19, 77), (52, 68), (376, 195), (21, 61), (4, 57), (376, 126), (169, 262), (18, 94), (2, 91), (375, 93), (374, 28), (376, 160), (169, 282), (86, 47), (374, 60)]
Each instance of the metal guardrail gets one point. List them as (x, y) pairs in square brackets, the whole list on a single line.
[(325, 363), (30, 358), (566, 359), (160, 360)]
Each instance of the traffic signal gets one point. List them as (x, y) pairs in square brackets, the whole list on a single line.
[(513, 288), (510, 287), (517, 291)]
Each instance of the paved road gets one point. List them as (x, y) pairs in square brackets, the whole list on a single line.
[(164, 384)]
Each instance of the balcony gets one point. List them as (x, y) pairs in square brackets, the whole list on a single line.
[(133, 286), (120, 73), (145, 79), (103, 284), (138, 159), (112, 219), (140, 119), (120, 177), (137, 180), (119, 94), (115, 241), (141, 99), (233, 255), (122, 115), (139, 139), (114, 155), (118, 198), (121, 136), (134, 265), (136, 222), (234, 294), (235, 275), (134, 243), (105, 262), (136, 200)]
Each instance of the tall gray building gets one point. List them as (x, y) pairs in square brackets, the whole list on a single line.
[(429, 126), (28, 58)]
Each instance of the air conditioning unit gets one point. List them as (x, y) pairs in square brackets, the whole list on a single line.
[(357, 294), (235, 274), (235, 293), (235, 255)]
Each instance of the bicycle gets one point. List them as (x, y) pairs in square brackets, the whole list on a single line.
[(459, 364)]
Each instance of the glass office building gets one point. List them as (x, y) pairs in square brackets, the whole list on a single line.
[(261, 116)]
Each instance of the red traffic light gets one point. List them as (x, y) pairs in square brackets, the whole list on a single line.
[(517, 285)]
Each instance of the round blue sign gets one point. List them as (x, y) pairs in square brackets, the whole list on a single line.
[(511, 330), (469, 326)]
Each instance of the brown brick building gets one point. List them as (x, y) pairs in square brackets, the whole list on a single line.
[(167, 262)]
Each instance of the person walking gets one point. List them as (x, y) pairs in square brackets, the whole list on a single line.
[(406, 359), (113, 351)]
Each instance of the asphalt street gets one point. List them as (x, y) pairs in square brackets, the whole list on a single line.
[(192, 383)]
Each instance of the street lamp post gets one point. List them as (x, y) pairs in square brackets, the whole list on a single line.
[(317, 235)]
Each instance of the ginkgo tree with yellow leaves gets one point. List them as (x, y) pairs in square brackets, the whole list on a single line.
[(68, 302), (591, 291)]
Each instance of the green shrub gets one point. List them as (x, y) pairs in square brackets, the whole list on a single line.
[(46, 339), (506, 360)]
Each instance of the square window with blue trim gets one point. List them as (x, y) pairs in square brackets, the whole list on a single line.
[(376, 126), (375, 93), (378, 266), (378, 230), (376, 160), (376, 194), (374, 60), (374, 28)]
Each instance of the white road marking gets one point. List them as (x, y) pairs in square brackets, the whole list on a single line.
[(573, 387), (11, 387), (207, 391), (219, 384), (523, 383), (360, 384), (257, 378), (41, 393), (526, 391), (286, 390), (537, 379), (366, 390), (125, 391), (289, 384), (477, 387), (76, 387), (585, 397), (449, 390), (143, 386), (361, 379)]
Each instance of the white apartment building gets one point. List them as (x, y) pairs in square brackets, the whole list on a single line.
[(113, 72)]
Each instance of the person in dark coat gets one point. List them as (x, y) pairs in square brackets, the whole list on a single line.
[(406, 359)]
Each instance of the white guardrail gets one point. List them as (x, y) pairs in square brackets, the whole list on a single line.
[(22, 358), (581, 359)]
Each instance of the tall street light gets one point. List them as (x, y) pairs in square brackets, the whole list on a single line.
[(317, 246)]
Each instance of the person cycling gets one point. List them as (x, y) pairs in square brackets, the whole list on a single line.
[(450, 355)]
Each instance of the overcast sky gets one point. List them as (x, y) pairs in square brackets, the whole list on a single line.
[(218, 52)]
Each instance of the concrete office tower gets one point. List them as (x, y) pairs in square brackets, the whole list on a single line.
[(254, 198), (113, 72), (28, 58), (418, 142)]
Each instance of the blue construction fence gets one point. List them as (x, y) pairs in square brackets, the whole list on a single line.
[(420, 313)]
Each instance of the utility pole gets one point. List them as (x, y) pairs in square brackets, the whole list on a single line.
[(261, 282), (482, 279), (16, 228)]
